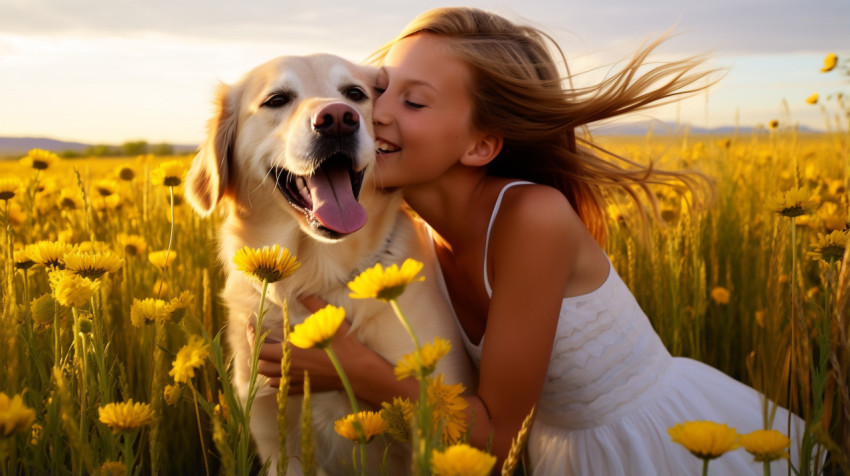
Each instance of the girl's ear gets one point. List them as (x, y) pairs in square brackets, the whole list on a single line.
[(483, 151)]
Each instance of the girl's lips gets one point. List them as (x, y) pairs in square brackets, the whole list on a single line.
[(384, 147)]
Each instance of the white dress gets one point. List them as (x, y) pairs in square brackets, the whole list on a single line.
[(612, 390)]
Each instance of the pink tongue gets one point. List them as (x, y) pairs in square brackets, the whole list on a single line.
[(334, 204)]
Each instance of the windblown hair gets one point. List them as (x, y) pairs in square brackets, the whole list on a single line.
[(518, 93)]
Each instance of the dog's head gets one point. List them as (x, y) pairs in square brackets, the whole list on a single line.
[(296, 127)]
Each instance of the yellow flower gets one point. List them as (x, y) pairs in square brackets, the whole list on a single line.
[(829, 63), (23, 260), (773, 124), (177, 306), (39, 159), (267, 264), (765, 445), (170, 173), (109, 202), (70, 199), (126, 416), (148, 310), (830, 247), (372, 424), (92, 265), (318, 329), (49, 253), (133, 245), (426, 359), (71, 289), (461, 460), (720, 295), (105, 187), (385, 284), (158, 258), (15, 416), (172, 393), (813, 99), (43, 309), (189, 357), (399, 417), (447, 406), (704, 439), (9, 187), (793, 203), (125, 173)]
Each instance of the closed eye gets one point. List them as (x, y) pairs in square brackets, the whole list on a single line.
[(413, 105), (278, 99)]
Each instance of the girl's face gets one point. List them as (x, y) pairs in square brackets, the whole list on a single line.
[(422, 114)]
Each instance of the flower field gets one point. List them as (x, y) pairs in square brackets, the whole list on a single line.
[(110, 322)]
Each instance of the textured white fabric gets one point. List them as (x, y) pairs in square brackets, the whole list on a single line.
[(612, 390)]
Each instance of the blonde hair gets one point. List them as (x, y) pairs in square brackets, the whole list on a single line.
[(518, 93)]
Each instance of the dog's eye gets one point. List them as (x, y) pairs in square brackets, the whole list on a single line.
[(277, 100), (355, 94)]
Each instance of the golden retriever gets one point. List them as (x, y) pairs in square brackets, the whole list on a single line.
[(290, 154)]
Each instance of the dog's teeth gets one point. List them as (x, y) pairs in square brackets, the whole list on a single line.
[(303, 190)]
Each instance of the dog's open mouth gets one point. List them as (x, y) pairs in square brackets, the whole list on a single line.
[(328, 198)]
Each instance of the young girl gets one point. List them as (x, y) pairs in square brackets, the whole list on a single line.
[(473, 120)]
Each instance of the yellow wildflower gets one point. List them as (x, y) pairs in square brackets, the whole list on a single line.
[(39, 159), (829, 63), (830, 247), (15, 416), (385, 284), (765, 445), (318, 329), (267, 264), (461, 460), (22, 259), (447, 406), (425, 359), (372, 424), (126, 416), (9, 187), (133, 245), (71, 289), (704, 439), (172, 393), (106, 187), (813, 99), (720, 295), (148, 310), (92, 265), (125, 173), (399, 417), (50, 254), (109, 202), (158, 258), (177, 306), (170, 173), (189, 357), (793, 202), (773, 124), (43, 309), (70, 199)]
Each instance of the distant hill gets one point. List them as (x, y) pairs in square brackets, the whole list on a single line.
[(661, 128), (19, 146)]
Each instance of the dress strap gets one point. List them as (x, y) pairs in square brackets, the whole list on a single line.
[(490, 226)]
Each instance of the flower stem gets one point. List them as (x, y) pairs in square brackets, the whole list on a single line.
[(200, 430), (404, 322), (353, 400), (766, 468), (705, 467)]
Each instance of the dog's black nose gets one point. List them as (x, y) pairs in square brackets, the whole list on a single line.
[(336, 119)]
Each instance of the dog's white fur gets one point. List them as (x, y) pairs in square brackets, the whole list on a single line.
[(246, 139)]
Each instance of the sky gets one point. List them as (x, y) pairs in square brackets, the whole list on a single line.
[(111, 71)]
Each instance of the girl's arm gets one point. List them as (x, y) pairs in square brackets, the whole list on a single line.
[(533, 250)]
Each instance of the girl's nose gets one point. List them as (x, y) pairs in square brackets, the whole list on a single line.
[(380, 113)]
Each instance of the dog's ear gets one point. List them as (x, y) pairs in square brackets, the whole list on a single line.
[(207, 179)]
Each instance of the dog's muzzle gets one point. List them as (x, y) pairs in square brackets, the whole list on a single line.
[(328, 197)]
